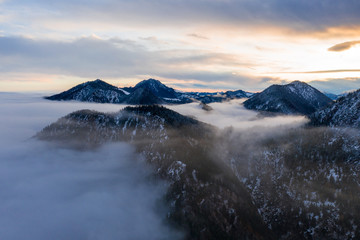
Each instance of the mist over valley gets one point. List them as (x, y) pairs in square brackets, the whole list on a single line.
[(89, 170)]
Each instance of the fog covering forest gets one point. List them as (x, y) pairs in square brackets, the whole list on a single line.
[(47, 192), (244, 175)]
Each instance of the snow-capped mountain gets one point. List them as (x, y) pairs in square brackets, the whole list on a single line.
[(344, 112), (93, 91), (293, 98), (146, 92)]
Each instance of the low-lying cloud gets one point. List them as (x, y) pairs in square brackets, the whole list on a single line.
[(234, 114), (53, 193)]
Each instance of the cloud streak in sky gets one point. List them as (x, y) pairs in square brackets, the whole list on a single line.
[(343, 46), (328, 71)]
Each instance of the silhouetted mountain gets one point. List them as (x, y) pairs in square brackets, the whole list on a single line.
[(94, 91), (294, 98), (344, 112)]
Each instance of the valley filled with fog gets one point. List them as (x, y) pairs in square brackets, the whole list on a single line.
[(48, 192), (152, 173)]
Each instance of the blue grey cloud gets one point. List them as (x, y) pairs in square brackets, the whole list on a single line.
[(114, 58), (300, 15)]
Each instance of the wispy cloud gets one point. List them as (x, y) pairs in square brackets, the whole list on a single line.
[(326, 71), (195, 35), (343, 46)]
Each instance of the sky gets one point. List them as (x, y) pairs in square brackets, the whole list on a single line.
[(204, 45)]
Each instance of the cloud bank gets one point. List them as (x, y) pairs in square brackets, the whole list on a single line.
[(234, 114)]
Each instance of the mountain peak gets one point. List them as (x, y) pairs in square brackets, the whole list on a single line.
[(143, 96), (293, 98), (157, 88), (150, 82), (92, 91), (298, 82), (300, 85), (98, 80)]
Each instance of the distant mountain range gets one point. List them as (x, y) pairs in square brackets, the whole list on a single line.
[(146, 92), (293, 98), (332, 96)]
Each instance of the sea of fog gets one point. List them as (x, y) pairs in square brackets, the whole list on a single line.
[(54, 193)]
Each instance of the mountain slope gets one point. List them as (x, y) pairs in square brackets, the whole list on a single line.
[(304, 181), (143, 96), (345, 112), (223, 184), (93, 91), (332, 96), (157, 88), (294, 98), (161, 91)]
